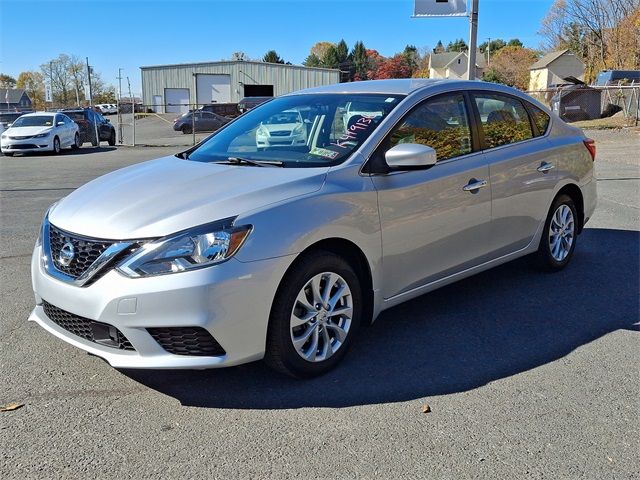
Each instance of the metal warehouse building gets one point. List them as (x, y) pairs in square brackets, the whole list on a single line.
[(176, 85)]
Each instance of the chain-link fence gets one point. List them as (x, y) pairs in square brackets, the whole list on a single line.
[(575, 103), (171, 124)]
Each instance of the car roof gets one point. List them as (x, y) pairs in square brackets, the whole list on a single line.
[(33, 114), (398, 86)]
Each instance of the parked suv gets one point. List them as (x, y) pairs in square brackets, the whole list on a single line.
[(91, 122), (225, 109), (230, 252)]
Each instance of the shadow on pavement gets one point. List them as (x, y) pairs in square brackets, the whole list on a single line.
[(487, 327), (86, 150)]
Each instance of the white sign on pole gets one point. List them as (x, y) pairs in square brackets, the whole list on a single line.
[(440, 8), (48, 94)]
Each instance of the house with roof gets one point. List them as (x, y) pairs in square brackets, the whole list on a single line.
[(14, 100), (553, 68), (454, 65)]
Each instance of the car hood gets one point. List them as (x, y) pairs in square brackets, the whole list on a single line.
[(167, 195), (26, 131)]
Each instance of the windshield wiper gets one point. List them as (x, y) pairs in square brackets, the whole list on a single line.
[(255, 163)]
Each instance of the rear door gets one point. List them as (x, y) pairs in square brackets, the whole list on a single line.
[(522, 175), (433, 224)]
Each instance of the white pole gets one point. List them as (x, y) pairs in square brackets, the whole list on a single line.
[(473, 40)]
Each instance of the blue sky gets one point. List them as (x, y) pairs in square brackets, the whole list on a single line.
[(132, 33)]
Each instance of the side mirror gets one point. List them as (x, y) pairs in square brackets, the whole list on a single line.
[(9, 125), (60, 124), (410, 156)]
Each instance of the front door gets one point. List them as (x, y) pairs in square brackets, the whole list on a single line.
[(435, 222)]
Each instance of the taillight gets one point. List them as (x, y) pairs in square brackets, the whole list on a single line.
[(591, 146)]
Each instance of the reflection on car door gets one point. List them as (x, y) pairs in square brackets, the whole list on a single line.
[(431, 226), (520, 191)]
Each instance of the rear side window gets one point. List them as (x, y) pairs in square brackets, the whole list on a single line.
[(504, 119), (540, 118), (440, 123)]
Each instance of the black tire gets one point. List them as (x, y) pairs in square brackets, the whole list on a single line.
[(544, 258), (281, 355), (112, 138), (76, 142), (186, 129), (56, 146), (8, 154), (95, 142)]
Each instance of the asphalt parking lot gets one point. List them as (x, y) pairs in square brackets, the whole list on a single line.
[(527, 375)]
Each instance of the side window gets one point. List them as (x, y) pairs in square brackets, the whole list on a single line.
[(504, 119), (540, 118), (440, 123), (59, 118)]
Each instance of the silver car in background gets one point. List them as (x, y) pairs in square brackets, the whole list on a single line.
[(232, 252)]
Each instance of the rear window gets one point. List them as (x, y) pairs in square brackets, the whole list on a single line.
[(540, 118), (504, 119), (76, 115)]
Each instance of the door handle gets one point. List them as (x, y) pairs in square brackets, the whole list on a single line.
[(474, 185), (545, 167)]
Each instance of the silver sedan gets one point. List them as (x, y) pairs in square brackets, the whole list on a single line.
[(232, 252)]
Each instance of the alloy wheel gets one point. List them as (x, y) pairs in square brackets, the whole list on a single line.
[(561, 233), (321, 317)]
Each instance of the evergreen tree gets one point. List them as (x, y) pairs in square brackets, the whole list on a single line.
[(272, 57)]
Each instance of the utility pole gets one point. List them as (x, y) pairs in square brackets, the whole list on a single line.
[(489, 52), (133, 113), (119, 102), (473, 40), (89, 77)]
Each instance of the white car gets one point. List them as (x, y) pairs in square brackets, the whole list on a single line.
[(284, 128), (107, 108), (40, 131)]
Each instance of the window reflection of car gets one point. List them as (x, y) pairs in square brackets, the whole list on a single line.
[(285, 128), (203, 122)]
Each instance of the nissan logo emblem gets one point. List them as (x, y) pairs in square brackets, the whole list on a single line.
[(67, 254)]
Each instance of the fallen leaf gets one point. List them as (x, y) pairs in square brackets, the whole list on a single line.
[(11, 406), (426, 408)]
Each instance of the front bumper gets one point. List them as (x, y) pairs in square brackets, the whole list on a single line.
[(232, 301), (8, 145)]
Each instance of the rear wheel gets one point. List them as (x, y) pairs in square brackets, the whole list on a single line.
[(315, 316), (112, 138), (76, 142), (56, 146), (94, 140), (558, 240)]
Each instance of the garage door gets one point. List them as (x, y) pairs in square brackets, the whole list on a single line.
[(177, 100), (213, 88)]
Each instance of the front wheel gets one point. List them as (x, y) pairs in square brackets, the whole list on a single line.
[(186, 129), (112, 138), (315, 315), (559, 236)]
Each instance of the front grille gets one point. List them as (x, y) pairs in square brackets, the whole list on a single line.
[(86, 251), (281, 133), (91, 330), (23, 146), (23, 137), (194, 341)]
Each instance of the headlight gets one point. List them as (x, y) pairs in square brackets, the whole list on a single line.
[(4, 136), (189, 250), (263, 131), (298, 128), (42, 135)]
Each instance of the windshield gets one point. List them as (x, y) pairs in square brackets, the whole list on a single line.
[(35, 121), (300, 130)]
